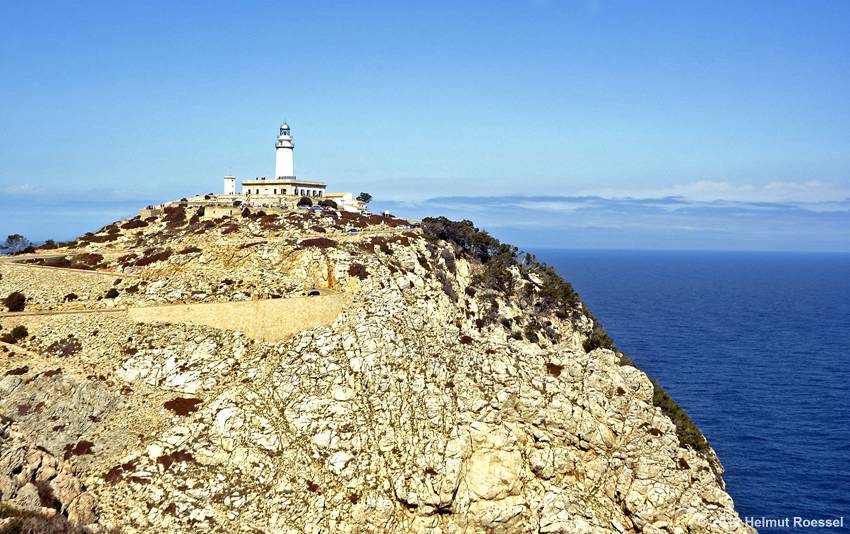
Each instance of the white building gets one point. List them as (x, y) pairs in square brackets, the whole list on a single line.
[(346, 202), (284, 182), (283, 190), (229, 185)]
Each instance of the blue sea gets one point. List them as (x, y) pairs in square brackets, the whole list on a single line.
[(756, 347)]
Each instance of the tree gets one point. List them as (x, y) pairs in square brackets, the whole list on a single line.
[(364, 198), (328, 203), (305, 201), (16, 244)]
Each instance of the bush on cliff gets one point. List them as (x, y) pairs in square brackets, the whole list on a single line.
[(15, 301), (598, 338), (687, 432), (153, 257), (500, 260), (554, 294), (16, 334), (20, 332), (68, 346), (358, 270), (318, 242), (174, 216), (134, 223)]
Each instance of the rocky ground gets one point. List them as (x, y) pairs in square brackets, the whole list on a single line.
[(460, 391)]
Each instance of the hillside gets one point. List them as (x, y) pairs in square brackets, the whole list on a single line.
[(322, 372)]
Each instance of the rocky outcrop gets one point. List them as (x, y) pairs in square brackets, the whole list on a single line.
[(453, 394), (46, 487)]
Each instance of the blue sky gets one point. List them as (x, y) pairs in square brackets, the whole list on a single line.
[(698, 125)]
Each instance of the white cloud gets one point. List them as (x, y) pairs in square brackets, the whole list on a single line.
[(711, 190), (20, 189)]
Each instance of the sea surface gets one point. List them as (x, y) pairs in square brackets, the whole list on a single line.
[(756, 347)]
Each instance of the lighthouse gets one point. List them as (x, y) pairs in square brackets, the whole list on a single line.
[(284, 157), (284, 183)]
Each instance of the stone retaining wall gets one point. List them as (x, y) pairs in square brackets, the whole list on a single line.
[(267, 320)]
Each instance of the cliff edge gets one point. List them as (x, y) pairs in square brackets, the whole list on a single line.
[(327, 372)]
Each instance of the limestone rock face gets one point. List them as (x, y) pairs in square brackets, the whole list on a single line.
[(429, 405)]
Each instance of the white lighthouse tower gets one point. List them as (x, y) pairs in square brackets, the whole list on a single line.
[(284, 157)]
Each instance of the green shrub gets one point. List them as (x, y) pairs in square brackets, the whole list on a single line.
[(304, 201), (108, 238), (358, 270), (15, 301), (687, 432), (134, 223), (327, 203), (174, 216), (446, 284), (153, 257), (65, 347), (598, 338), (19, 332), (472, 241), (318, 242)]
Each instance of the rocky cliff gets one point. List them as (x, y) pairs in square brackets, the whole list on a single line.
[(460, 388)]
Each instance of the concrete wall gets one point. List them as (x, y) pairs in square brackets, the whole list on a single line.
[(268, 320), (214, 212), (144, 213)]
